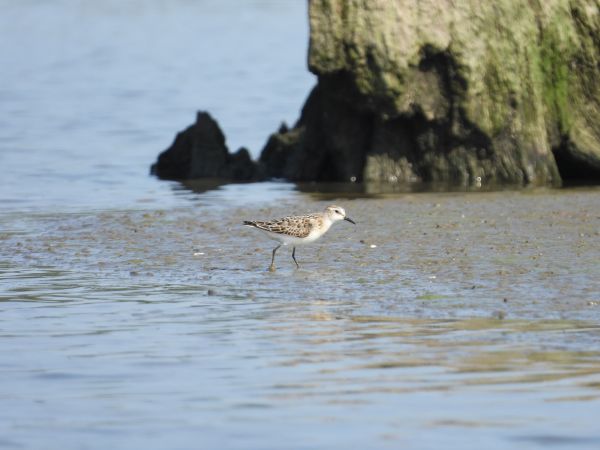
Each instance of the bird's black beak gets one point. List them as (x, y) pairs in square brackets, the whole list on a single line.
[(348, 219)]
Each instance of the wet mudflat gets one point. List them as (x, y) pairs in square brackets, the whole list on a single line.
[(442, 319)]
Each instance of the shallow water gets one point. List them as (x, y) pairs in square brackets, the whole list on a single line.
[(136, 313), (440, 319), (91, 92)]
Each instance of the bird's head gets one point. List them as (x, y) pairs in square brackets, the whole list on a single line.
[(336, 213)]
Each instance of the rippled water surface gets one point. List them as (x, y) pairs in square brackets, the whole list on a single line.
[(136, 313)]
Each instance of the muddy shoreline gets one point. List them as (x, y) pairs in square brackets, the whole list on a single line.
[(527, 253)]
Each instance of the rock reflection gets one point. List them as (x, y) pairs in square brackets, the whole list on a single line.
[(369, 189)]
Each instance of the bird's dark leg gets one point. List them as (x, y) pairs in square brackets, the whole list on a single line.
[(272, 266), (294, 257)]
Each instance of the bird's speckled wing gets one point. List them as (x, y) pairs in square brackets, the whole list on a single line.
[(296, 226)]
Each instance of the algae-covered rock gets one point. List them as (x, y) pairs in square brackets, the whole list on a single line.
[(449, 90)]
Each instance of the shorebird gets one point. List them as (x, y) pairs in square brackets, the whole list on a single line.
[(296, 230)]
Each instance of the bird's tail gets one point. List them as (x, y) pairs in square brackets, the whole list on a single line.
[(249, 223)]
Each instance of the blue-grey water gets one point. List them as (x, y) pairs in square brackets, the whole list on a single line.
[(138, 313)]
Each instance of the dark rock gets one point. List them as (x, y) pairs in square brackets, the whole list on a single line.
[(200, 152), (241, 167), (447, 96), (278, 152), (327, 143), (471, 93), (283, 128), (575, 164)]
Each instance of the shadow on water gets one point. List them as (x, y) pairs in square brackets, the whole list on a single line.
[(323, 191), (327, 191), (558, 440), (219, 192), (200, 186)]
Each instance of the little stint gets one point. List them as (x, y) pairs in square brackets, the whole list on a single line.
[(296, 230)]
